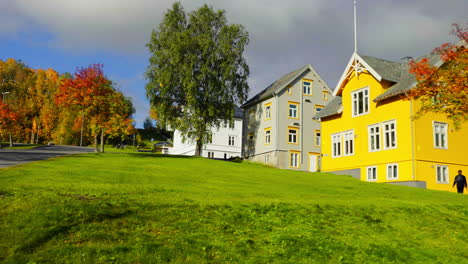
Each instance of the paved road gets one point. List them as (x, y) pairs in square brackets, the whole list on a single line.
[(10, 157)]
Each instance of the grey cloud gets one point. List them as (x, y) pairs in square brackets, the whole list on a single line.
[(284, 34)]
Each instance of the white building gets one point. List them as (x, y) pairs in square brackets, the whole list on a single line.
[(226, 141)]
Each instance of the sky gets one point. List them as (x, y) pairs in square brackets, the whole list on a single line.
[(284, 35)]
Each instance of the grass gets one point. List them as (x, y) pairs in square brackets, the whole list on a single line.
[(146, 208)]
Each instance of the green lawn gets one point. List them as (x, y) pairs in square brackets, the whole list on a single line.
[(144, 208)]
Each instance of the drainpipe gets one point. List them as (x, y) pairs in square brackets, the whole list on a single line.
[(301, 145), (276, 128)]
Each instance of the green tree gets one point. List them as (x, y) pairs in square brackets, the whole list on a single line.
[(197, 72)]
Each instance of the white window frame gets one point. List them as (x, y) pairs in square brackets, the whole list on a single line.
[(318, 138), (442, 174), (292, 136), (371, 177), (268, 136), (374, 136), (394, 171), (365, 101), (231, 140), (293, 159), (440, 129), (336, 145), (268, 112), (348, 143), (307, 89), (385, 131), (292, 112)]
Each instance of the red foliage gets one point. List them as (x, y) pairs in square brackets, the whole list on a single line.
[(444, 88)]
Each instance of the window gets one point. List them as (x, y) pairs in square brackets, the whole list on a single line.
[(268, 111), (360, 102), (267, 135), (307, 87), (371, 173), (294, 159), (267, 158), (389, 132), (231, 141), (250, 140), (318, 108), (210, 154), (232, 125), (374, 137), (440, 135), (317, 138), (392, 171), (293, 110), (292, 135), (325, 95), (210, 139), (289, 90), (442, 174), (348, 143), (336, 145)]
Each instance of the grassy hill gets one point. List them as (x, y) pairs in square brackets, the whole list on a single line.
[(143, 208)]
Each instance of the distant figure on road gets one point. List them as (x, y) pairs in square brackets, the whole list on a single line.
[(460, 181)]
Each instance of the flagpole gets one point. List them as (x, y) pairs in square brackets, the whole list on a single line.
[(355, 29)]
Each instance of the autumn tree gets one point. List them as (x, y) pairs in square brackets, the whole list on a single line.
[(197, 72), (87, 90), (443, 88), (8, 120), (106, 110)]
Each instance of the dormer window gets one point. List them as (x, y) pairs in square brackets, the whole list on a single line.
[(360, 101)]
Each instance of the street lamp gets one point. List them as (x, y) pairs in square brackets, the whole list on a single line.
[(3, 95)]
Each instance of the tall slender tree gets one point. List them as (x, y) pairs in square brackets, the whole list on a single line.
[(197, 72)]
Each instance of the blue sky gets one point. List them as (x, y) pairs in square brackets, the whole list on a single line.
[(284, 35)]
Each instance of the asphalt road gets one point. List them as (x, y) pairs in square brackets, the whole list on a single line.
[(11, 157)]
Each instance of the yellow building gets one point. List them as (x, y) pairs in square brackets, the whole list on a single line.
[(368, 130)]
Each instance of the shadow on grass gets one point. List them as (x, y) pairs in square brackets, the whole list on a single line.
[(35, 242)]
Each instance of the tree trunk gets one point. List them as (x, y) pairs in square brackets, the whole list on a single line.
[(32, 136), (102, 140), (81, 130), (96, 142), (198, 147), (11, 141)]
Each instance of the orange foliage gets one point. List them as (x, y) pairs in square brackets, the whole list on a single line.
[(444, 88)]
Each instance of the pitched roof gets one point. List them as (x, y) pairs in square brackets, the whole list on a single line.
[(388, 70), (407, 80), (333, 107), (395, 72), (282, 83)]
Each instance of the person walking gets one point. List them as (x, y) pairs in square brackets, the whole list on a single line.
[(460, 181)]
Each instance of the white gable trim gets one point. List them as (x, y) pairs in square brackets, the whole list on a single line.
[(349, 68)]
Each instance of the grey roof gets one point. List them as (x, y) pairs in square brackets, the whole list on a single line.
[(389, 70), (238, 113), (407, 80), (332, 108), (278, 84)]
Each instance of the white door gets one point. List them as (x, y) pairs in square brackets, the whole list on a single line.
[(312, 163)]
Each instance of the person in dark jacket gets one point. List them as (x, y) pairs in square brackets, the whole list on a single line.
[(460, 181)]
